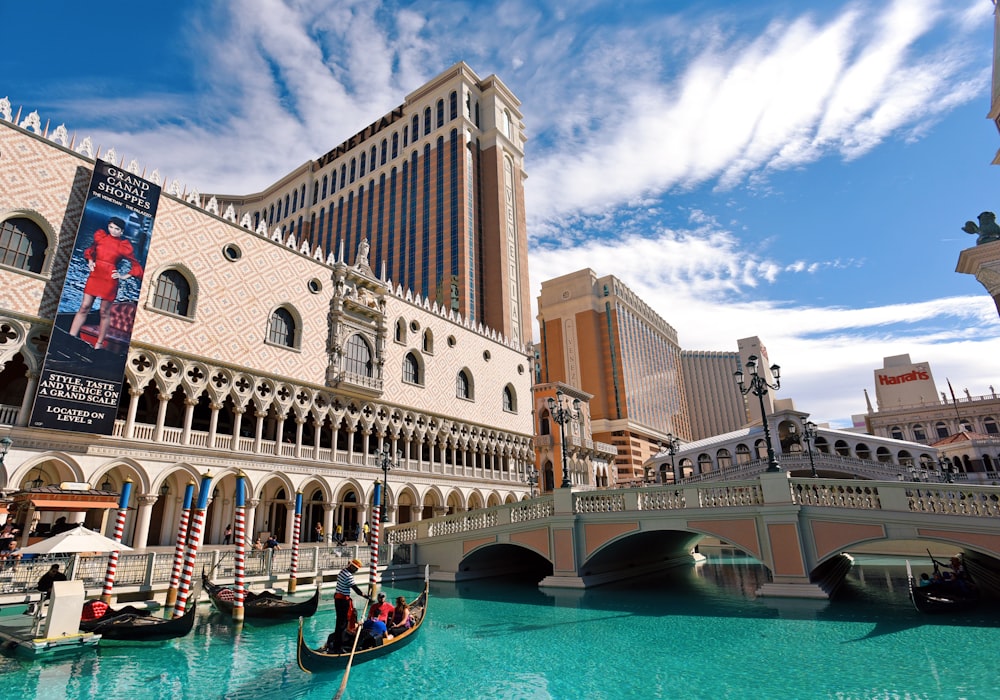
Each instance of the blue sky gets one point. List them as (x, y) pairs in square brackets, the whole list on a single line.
[(794, 170)]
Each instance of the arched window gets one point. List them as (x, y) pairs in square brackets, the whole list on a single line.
[(505, 123), (427, 120), (23, 244), (509, 403), (172, 293), (724, 459), (463, 385), (919, 434), (453, 105), (428, 341), (882, 454), (358, 357), (440, 113), (354, 168), (863, 451), (942, 429), (395, 145), (326, 180), (411, 369), (896, 433), (295, 202), (382, 152), (361, 165), (372, 155), (281, 329), (742, 454), (315, 192), (415, 127), (841, 448), (704, 463), (400, 330)]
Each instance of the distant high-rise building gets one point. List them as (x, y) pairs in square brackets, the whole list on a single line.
[(430, 193), (714, 403), (598, 335)]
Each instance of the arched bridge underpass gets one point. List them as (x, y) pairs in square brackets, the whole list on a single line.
[(797, 527)]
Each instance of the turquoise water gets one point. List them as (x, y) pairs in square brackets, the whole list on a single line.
[(696, 633)]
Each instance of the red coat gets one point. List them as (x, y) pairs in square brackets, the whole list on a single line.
[(106, 253)]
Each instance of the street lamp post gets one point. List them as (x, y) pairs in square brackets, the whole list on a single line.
[(947, 469), (387, 463), (809, 434), (671, 446), (758, 386), (531, 478), (562, 414)]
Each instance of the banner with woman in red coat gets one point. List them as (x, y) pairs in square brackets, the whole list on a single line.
[(81, 380)]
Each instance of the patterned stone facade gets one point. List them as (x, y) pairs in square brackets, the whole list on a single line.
[(207, 390)]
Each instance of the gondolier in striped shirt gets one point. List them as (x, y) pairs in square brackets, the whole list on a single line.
[(342, 603)]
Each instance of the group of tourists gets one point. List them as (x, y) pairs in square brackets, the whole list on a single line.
[(383, 621)]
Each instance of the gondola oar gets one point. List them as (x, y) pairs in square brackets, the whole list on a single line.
[(372, 582)]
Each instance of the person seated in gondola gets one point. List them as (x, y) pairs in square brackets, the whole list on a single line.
[(373, 631), (925, 580), (381, 609), (402, 620)]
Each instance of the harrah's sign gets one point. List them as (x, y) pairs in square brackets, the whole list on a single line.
[(914, 376)]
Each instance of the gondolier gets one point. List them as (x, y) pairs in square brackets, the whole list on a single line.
[(342, 601)]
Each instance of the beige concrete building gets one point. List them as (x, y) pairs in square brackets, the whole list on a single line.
[(714, 403), (255, 350)]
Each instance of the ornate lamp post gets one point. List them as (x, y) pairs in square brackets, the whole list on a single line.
[(809, 435), (562, 414), (758, 386), (673, 444), (943, 463), (387, 463), (531, 478)]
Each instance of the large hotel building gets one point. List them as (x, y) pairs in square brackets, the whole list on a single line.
[(369, 306), (436, 189)]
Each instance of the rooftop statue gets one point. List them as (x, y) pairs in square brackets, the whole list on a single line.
[(987, 229)]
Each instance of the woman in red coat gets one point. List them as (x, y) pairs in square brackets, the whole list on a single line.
[(103, 257)]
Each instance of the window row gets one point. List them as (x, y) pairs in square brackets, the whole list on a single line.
[(368, 160), (941, 429)]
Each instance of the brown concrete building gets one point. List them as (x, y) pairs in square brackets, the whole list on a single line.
[(597, 335), (434, 187)]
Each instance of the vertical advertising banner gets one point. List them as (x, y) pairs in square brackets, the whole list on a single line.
[(81, 379)]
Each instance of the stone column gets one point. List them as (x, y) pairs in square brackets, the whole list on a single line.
[(213, 424), (189, 405), (258, 431), (146, 502), (983, 261), (290, 524), (237, 426), (317, 437), (251, 515), (24, 413), (161, 416), (133, 406)]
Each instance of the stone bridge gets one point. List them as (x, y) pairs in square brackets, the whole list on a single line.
[(796, 527)]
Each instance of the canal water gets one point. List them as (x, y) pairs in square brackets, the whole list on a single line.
[(692, 633)]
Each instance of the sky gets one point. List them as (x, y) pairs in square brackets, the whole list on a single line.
[(796, 170)]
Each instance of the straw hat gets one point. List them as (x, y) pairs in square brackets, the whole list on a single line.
[(356, 563)]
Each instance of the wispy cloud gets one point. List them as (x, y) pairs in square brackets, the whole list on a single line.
[(625, 107)]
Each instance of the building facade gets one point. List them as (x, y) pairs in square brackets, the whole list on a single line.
[(435, 187), (714, 403), (597, 335), (964, 427), (252, 350)]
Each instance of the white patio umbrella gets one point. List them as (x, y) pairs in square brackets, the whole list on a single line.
[(79, 539)]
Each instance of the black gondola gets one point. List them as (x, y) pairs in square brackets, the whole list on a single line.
[(135, 625), (315, 660), (949, 596), (260, 606)]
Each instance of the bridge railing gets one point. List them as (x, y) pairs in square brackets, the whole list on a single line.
[(964, 499)]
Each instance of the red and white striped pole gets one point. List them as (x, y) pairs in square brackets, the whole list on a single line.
[(376, 518), (109, 574), (239, 560), (194, 541), (182, 532), (296, 536)]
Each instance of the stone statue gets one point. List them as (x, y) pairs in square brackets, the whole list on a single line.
[(362, 256), (987, 229)]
